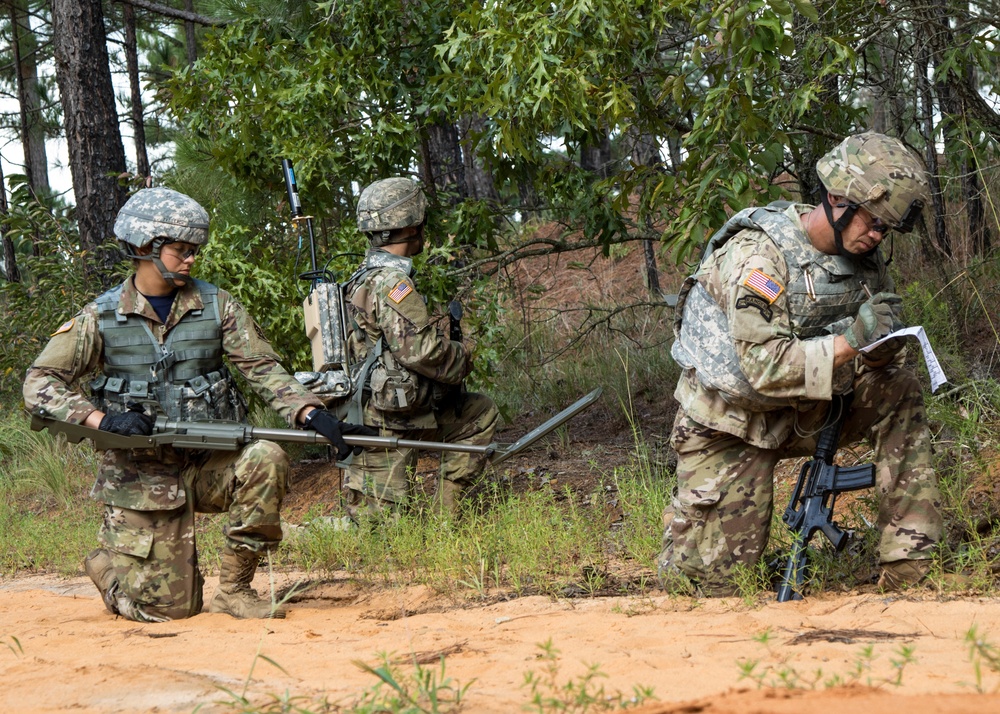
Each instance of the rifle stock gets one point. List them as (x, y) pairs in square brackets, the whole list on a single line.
[(811, 506)]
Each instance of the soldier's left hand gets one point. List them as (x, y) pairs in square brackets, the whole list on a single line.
[(329, 426)]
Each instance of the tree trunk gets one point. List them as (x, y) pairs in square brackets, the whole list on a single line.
[(190, 42), (96, 154), (929, 132), (646, 152), (446, 168), (10, 271), (596, 156), (25, 49), (132, 62), (479, 181), (979, 229), (952, 85)]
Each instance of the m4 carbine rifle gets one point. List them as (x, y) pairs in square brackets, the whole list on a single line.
[(811, 506)]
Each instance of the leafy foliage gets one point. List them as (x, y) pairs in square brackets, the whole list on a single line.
[(57, 279)]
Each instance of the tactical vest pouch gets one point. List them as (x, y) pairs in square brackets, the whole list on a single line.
[(211, 396), (395, 389), (332, 387), (114, 395)]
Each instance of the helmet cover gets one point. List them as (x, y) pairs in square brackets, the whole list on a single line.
[(390, 204), (161, 213), (879, 173)]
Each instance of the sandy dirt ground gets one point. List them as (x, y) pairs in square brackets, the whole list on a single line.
[(77, 657)]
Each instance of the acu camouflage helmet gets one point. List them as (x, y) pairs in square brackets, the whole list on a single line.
[(879, 173), (160, 213), (388, 205)]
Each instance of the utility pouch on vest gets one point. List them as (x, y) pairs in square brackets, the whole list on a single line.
[(114, 395), (397, 390), (212, 396)]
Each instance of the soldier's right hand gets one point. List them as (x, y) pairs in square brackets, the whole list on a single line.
[(876, 319), (134, 422)]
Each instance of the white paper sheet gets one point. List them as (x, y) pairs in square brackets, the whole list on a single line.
[(930, 359)]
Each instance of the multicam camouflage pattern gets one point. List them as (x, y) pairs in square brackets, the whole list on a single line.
[(425, 366), (721, 511), (384, 303), (771, 353), (877, 172), (818, 293), (383, 479), (390, 204), (53, 388), (153, 551), (161, 213), (726, 453)]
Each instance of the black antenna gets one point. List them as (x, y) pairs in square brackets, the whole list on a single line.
[(293, 199)]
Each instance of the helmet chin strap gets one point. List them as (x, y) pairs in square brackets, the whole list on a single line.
[(840, 224), (154, 257), (167, 275)]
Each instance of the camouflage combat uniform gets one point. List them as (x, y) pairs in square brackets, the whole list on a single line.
[(779, 303), (151, 496), (415, 388)]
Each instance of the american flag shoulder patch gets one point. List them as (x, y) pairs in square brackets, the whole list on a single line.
[(399, 292), (764, 285)]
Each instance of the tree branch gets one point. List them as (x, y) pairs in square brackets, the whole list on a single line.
[(177, 14)]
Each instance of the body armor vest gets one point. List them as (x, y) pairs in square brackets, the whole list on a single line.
[(183, 378), (389, 387), (824, 293)]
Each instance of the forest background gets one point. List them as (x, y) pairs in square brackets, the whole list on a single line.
[(589, 130)]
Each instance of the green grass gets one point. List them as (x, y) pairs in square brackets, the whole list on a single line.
[(409, 687), (47, 522), (541, 541)]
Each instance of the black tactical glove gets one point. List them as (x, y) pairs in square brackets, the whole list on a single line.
[(876, 319), (134, 422), (326, 424)]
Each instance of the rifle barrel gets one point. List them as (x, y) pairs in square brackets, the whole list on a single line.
[(369, 442)]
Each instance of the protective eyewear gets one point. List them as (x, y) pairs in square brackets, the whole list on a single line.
[(876, 225), (185, 254)]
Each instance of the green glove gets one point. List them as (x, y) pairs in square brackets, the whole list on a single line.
[(876, 319)]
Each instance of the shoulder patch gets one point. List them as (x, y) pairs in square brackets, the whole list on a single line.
[(399, 292), (764, 285), (65, 327), (758, 304)]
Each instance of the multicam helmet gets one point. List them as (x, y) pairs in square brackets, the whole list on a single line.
[(390, 204), (879, 173), (160, 213)]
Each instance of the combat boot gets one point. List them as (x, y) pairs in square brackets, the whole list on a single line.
[(902, 573), (235, 596), (448, 498), (98, 566)]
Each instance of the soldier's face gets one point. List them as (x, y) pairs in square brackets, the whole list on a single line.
[(864, 233), (179, 257), (417, 242)]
